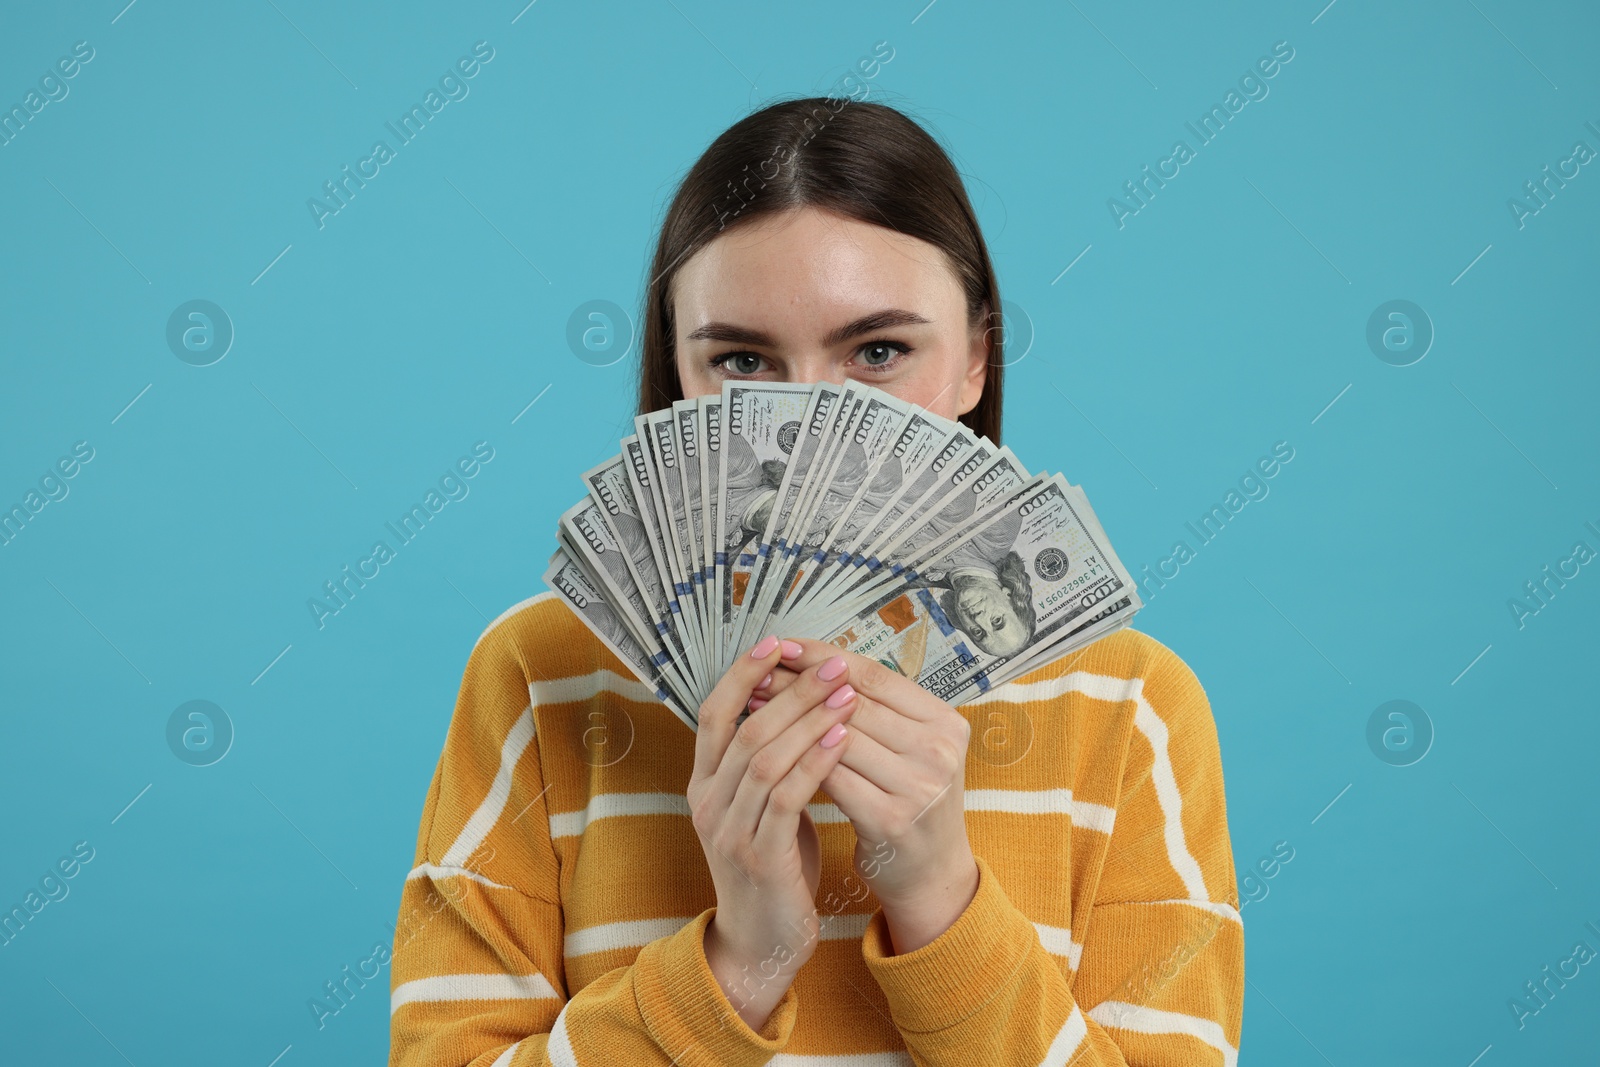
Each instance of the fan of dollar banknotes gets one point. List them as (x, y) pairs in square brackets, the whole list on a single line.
[(836, 512)]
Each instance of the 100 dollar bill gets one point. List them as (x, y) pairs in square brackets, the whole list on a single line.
[(990, 595)]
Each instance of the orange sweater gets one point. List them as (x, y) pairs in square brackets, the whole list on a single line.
[(556, 910)]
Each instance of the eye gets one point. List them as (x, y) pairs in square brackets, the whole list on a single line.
[(881, 355), (737, 362)]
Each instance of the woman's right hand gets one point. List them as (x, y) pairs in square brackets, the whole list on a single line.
[(748, 797)]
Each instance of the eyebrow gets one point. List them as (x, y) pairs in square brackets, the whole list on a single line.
[(742, 335)]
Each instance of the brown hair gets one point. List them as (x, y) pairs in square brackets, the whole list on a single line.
[(865, 161)]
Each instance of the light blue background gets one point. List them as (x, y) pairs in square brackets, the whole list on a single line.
[(1224, 317)]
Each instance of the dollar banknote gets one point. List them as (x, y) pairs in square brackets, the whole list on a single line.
[(761, 426), (988, 593), (840, 512), (570, 582)]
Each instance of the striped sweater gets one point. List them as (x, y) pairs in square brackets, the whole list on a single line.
[(560, 895)]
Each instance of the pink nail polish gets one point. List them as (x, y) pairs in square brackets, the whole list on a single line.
[(792, 649), (831, 669), (841, 696), (834, 735), (756, 702), (764, 647), (765, 681)]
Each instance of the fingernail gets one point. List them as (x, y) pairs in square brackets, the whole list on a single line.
[(792, 649), (834, 735), (764, 647), (756, 702), (831, 669), (841, 696), (765, 681)]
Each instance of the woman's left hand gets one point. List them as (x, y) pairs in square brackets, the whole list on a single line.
[(900, 783)]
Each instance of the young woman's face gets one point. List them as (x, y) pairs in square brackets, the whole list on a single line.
[(808, 295)]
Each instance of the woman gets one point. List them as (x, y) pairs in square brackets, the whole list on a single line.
[(1042, 875)]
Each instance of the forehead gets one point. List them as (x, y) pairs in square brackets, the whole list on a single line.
[(808, 262)]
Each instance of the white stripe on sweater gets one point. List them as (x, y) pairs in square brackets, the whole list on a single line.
[(1041, 802), (616, 805), (1118, 690), (846, 926), (429, 870), (559, 1047), (504, 1059), (488, 813), (632, 934), (619, 805), (1215, 907), (584, 687), (849, 1059), (1057, 940), (473, 987), (1116, 1015), (637, 933), (1166, 783), (821, 814), (1067, 1040)]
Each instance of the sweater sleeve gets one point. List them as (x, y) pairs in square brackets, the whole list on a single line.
[(1161, 976), (478, 975)]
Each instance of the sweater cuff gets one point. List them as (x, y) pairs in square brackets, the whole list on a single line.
[(684, 1007), (953, 976)]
